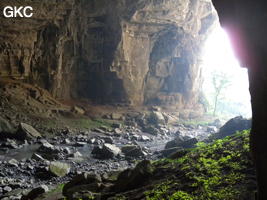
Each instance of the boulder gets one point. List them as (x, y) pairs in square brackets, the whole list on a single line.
[(26, 131), (181, 142), (117, 116), (77, 110), (79, 181), (59, 169), (170, 151), (107, 151), (5, 128), (36, 192), (37, 157), (233, 125), (133, 178), (48, 151), (133, 151), (156, 118), (145, 138), (152, 130), (108, 139)]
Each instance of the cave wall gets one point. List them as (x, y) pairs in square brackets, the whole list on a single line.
[(109, 51)]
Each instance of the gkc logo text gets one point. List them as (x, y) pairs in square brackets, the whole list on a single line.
[(14, 11)]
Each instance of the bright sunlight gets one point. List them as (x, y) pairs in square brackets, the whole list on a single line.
[(219, 61)]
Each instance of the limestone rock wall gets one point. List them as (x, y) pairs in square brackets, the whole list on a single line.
[(109, 51)]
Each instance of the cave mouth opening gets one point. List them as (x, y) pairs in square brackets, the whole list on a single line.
[(225, 82)]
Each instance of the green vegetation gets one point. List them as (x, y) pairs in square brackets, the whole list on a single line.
[(216, 171)]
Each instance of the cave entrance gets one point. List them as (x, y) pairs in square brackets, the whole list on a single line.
[(225, 85)]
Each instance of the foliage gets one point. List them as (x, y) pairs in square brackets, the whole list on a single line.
[(214, 171)]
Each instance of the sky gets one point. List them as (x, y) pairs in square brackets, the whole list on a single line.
[(218, 55)]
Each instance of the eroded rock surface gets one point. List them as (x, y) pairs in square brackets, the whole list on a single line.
[(135, 52)]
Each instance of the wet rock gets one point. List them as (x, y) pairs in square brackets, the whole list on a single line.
[(156, 118), (67, 150), (108, 140), (59, 169), (144, 138), (235, 124), (77, 110), (80, 144), (66, 141), (37, 157), (13, 163), (133, 178), (117, 116), (152, 130), (76, 154), (10, 144), (182, 142), (7, 189), (107, 151), (118, 131), (26, 131), (116, 125), (88, 181), (212, 129), (170, 151), (133, 151), (98, 130), (36, 192), (5, 128), (48, 151)]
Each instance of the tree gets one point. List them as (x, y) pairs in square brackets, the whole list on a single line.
[(220, 81)]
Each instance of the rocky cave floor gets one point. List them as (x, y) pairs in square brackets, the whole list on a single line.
[(52, 151)]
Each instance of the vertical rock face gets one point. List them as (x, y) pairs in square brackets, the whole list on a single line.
[(121, 51)]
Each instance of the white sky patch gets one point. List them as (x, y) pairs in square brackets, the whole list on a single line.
[(218, 55)]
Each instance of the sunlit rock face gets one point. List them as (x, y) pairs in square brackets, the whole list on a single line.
[(120, 51)]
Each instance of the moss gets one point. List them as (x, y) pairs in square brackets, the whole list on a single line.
[(214, 171)]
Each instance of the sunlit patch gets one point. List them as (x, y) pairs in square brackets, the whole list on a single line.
[(218, 56)]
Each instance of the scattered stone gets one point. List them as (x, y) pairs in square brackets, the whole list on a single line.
[(36, 192), (108, 140), (77, 110), (13, 162), (37, 157), (182, 142), (59, 169), (133, 151), (170, 151), (144, 138), (77, 183), (7, 189), (156, 118), (152, 130), (117, 116), (133, 178), (107, 151), (118, 131), (26, 131)]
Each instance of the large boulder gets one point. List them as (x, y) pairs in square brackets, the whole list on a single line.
[(36, 192), (48, 151), (107, 151), (26, 131), (133, 151), (87, 181), (59, 169), (6, 129), (183, 142), (133, 178), (232, 126), (156, 118)]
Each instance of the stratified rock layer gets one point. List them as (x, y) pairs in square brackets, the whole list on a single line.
[(120, 51)]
